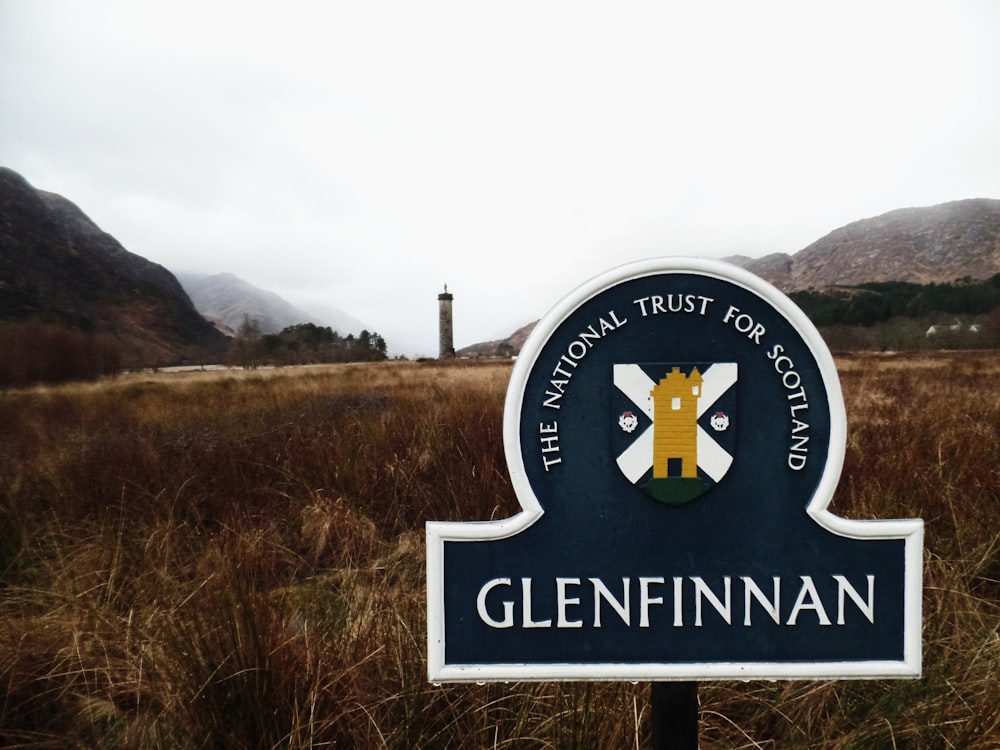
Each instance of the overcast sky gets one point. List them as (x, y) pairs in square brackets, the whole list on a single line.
[(362, 154)]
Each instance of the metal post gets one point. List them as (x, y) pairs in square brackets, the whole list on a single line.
[(674, 715)]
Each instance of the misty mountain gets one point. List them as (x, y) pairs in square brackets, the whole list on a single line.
[(225, 298), (58, 267)]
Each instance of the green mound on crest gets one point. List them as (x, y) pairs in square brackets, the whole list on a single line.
[(676, 491)]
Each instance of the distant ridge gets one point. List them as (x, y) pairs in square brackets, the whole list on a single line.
[(934, 244), (57, 266)]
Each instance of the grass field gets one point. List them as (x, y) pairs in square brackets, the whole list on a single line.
[(236, 559)]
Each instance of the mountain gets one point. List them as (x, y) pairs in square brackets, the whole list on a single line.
[(225, 298), (57, 266), (936, 244), (501, 347), (933, 244)]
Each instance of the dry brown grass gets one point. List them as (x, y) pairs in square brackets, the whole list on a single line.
[(236, 560)]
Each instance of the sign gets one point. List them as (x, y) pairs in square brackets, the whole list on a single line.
[(674, 431)]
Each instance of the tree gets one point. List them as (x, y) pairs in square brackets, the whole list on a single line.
[(248, 344), (307, 343)]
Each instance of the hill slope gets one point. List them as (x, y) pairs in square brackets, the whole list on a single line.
[(937, 244), (500, 347), (934, 244), (57, 266), (224, 299)]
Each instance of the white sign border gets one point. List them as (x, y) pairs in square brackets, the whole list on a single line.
[(910, 530)]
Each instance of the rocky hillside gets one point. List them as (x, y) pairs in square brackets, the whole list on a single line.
[(57, 266), (920, 245), (501, 347)]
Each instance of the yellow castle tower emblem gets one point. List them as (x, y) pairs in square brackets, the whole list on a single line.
[(675, 425)]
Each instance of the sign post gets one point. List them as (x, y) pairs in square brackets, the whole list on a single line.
[(673, 708), (674, 430)]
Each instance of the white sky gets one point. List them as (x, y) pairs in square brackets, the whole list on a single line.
[(362, 154)]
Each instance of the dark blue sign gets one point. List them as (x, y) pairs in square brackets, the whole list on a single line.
[(674, 431)]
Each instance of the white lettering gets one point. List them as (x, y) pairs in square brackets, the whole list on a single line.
[(867, 606), (563, 601), (508, 606), (796, 461), (645, 599), (791, 380), (675, 303), (589, 335), (678, 602), (701, 590), (808, 590), (603, 592), (549, 440), (744, 324), (576, 351), (498, 607), (526, 620), (752, 591)]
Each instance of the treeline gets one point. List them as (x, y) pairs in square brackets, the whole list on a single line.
[(35, 352), (304, 344), (877, 302)]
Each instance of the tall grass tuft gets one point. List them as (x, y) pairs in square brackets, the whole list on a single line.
[(236, 560)]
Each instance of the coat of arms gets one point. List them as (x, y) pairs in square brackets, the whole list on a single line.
[(675, 426)]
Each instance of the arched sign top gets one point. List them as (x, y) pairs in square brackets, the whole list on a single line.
[(682, 307), (674, 431)]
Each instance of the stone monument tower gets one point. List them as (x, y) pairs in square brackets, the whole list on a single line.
[(446, 346)]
